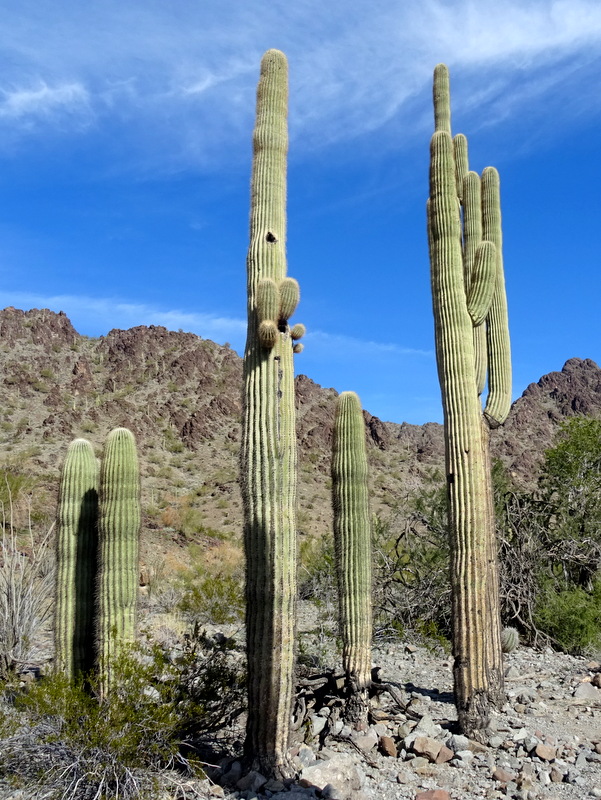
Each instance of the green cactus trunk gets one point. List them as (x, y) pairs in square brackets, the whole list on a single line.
[(76, 556), (469, 300), (352, 540), (119, 528), (269, 459)]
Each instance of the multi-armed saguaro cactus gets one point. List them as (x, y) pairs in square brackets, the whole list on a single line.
[(472, 337), (352, 540), (269, 461), (76, 549), (119, 528)]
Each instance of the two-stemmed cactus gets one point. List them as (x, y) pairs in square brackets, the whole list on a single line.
[(269, 457), (472, 346), (97, 555)]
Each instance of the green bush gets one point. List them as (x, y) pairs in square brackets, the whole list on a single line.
[(571, 484), (571, 617), (79, 747), (215, 599), (550, 542), (317, 573), (136, 724), (213, 587), (411, 566)]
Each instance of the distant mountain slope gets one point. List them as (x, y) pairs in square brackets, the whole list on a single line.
[(181, 396), (535, 416)]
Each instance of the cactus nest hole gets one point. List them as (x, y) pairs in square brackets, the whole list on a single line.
[(270, 237)]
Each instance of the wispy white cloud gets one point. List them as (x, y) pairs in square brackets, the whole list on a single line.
[(43, 100), (38, 107), (183, 79), (355, 347)]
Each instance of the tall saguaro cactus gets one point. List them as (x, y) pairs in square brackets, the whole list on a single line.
[(269, 459), (119, 528), (76, 547), (352, 540), (472, 336)]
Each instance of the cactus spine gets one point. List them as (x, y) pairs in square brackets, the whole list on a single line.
[(119, 528), (76, 549), (462, 267), (269, 459), (352, 540)]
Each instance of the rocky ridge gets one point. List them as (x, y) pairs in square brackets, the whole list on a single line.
[(180, 395)]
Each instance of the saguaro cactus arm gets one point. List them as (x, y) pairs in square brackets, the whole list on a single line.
[(472, 237), (498, 401), (461, 162), (442, 99), (483, 284), (268, 300)]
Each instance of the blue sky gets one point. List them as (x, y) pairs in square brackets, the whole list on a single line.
[(125, 149)]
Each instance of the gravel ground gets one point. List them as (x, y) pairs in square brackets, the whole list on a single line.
[(544, 745)]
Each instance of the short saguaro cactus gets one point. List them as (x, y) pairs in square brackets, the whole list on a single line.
[(352, 543), (119, 528), (76, 559)]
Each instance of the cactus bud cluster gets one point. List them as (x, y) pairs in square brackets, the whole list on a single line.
[(276, 303)]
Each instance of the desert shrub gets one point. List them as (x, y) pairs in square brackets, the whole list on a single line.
[(317, 570), (411, 566), (15, 490), (211, 680), (26, 590), (571, 484), (549, 549), (571, 617), (76, 746), (213, 587), (523, 561), (550, 542), (318, 619), (182, 515)]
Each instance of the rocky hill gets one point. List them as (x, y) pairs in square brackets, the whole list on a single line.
[(180, 395)]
